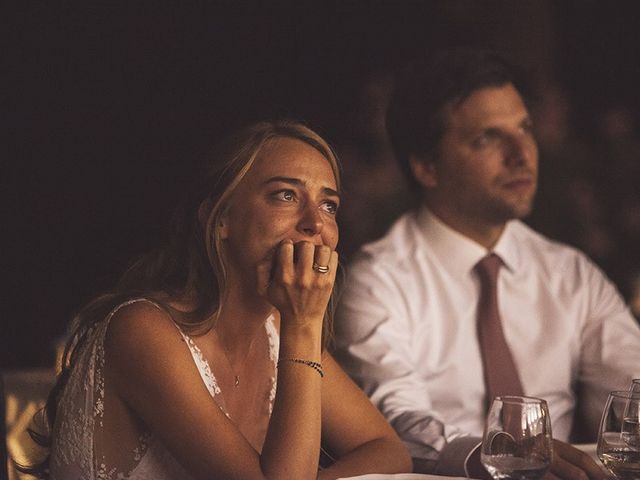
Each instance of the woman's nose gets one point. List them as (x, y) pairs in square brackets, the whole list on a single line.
[(310, 222)]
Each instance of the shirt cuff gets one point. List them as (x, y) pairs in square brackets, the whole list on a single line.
[(454, 457)]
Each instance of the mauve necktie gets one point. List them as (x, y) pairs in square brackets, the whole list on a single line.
[(500, 373)]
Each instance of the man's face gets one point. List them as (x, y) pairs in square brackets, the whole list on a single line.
[(485, 170)]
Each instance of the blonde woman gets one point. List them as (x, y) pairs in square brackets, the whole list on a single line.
[(208, 360)]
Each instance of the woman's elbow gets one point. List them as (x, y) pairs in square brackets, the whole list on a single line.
[(402, 462)]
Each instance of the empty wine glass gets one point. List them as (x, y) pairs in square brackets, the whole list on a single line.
[(517, 441), (619, 435)]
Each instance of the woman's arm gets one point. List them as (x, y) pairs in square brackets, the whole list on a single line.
[(153, 373), (354, 431), (300, 294), (151, 369)]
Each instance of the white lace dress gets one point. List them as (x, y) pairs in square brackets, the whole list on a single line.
[(75, 453)]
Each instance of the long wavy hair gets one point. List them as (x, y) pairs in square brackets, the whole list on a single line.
[(190, 265)]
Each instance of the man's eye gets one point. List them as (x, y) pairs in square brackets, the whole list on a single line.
[(485, 138), (481, 139), (527, 127)]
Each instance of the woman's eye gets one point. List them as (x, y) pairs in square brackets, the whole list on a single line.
[(285, 195), (330, 207)]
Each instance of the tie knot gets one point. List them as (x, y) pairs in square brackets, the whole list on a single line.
[(489, 266)]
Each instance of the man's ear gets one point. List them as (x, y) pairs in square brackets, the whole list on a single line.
[(424, 170), (203, 216)]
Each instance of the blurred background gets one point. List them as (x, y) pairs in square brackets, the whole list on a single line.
[(109, 108)]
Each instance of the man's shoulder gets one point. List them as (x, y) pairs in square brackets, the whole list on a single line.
[(527, 235), (542, 249), (399, 245)]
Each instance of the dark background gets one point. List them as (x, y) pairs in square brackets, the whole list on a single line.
[(108, 108)]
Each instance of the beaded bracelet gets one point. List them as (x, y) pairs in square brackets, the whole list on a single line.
[(315, 365)]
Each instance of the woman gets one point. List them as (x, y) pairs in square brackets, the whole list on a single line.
[(209, 360)]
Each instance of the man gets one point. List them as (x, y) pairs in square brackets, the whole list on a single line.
[(409, 326)]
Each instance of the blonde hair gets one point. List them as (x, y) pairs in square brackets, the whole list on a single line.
[(241, 154), (191, 264)]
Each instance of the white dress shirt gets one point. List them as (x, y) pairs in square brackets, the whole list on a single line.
[(406, 331)]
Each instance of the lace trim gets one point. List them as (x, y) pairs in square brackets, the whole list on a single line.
[(141, 449), (274, 349), (205, 372), (98, 407), (102, 473), (78, 425), (209, 378)]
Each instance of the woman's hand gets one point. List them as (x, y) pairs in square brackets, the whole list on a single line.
[(300, 293), (294, 287)]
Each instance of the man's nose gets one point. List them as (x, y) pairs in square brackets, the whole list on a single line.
[(520, 151)]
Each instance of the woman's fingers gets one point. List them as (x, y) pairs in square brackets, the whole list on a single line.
[(275, 266), (304, 257), (312, 260), (283, 266), (333, 265), (321, 259), (263, 277), (301, 259), (551, 476), (303, 276)]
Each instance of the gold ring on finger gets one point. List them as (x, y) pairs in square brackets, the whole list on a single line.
[(320, 268)]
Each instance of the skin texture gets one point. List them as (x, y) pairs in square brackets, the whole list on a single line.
[(486, 167), (280, 220), (483, 175), (270, 208)]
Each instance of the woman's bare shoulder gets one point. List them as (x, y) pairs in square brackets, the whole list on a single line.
[(140, 323), (146, 355)]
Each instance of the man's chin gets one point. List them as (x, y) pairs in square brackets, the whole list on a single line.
[(522, 213), (513, 212), (521, 207)]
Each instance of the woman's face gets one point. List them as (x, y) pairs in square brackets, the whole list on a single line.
[(289, 193)]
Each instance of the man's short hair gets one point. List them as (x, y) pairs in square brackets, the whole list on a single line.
[(416, 115)]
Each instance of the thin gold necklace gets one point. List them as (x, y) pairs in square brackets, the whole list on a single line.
[(236, 377)]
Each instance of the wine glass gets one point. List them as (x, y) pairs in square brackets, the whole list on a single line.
[(517, 441), (635, 385), (619, 435)]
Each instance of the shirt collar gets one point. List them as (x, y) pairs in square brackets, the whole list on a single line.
[(507, 247), (460, 252)]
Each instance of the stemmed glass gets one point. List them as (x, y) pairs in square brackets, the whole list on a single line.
[(619, 435), (517, 441)]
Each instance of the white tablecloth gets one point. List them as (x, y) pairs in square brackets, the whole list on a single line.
[(589, 448), (401, 476)]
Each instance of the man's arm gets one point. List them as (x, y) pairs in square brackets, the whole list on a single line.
[(610, 358), (375, 346), (610, 349)]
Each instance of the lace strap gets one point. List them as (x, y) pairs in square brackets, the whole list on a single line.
[(130, 302), (274, 339), (202, 364)]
